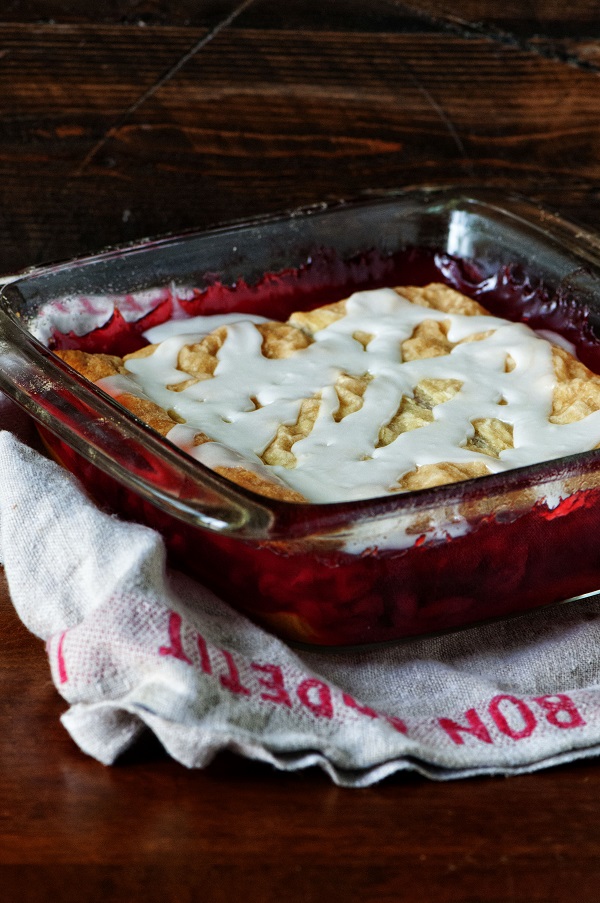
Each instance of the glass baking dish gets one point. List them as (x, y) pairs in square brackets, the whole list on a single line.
[(333, 574)]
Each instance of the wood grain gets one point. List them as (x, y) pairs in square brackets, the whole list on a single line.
[(109, 150), (136, 117)]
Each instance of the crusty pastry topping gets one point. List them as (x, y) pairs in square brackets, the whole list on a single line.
[(390, 390)]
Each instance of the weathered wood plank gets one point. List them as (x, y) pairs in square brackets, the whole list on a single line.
[(299, 116)]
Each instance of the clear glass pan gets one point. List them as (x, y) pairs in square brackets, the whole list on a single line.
[(344, 573)]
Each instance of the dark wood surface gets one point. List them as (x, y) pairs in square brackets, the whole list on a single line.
[(129, 118)]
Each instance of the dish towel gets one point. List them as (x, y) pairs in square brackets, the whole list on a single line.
[(134, 646)]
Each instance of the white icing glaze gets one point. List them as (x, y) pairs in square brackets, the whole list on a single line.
[(199, 325), (338, 460)]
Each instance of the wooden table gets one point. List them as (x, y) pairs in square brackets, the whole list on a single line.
[(136, 117)]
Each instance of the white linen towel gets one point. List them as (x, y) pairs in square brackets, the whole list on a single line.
[(133, 646)]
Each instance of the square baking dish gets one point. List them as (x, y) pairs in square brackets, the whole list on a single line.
[(335, 574)]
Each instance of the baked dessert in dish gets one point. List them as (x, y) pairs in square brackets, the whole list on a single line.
[(388, 391), (444, 394)]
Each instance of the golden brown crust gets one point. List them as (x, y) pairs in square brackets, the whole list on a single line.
[(429, 339), (577, 392), (249, 479), (429, 475), (575, 396), (350, 391), (200, 359), (490, 437), (93, 366), (279, 451), (280, 340), (311, 321), (416, 411), (146, 351), (149, 412), (438, 296)]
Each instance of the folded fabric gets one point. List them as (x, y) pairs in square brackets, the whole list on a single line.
[(134, 645)]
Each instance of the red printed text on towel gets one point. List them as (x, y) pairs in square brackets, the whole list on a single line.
[(266, 681), (505, 716)]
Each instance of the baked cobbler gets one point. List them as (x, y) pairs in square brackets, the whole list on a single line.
[(388, 391)]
